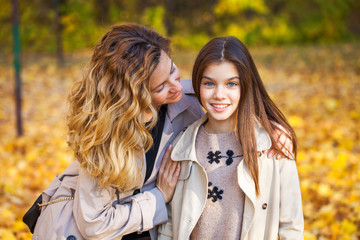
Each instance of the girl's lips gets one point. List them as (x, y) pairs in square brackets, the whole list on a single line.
[(220, 107)]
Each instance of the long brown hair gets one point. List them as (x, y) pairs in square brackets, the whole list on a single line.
[(255, 103), (108, 105)]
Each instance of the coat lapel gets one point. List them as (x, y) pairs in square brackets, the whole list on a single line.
[(246, 182), (184, 151)]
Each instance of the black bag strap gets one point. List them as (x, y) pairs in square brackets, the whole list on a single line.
[(31, 216)]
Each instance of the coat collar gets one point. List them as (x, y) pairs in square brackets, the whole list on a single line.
[(185, 149)]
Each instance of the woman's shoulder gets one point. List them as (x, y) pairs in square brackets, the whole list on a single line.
[(187, 104), (186, 84)]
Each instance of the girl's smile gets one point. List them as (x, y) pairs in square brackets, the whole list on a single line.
[(220, 107)]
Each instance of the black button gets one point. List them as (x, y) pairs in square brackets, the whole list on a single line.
[(71, 237), (264, 206)]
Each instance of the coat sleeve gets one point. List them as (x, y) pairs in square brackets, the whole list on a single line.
[(291, 222), (98, 218)]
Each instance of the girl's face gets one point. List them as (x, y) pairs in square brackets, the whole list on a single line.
[(220, 96), (165, 84)]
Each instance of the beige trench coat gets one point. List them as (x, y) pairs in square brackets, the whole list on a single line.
[(277, 212), (97, 213)]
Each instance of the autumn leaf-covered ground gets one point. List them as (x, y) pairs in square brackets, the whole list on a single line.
[(317, 88)]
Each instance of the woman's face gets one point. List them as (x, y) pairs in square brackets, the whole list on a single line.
[(165, 84)]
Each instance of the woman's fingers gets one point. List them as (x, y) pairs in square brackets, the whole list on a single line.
[(176, 174), (165, 158), (168, 175)]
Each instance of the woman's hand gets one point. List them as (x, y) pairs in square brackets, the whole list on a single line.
[(284, 142), (168, 175)]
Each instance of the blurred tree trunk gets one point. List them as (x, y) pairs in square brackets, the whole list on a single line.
[(102, 8), (169, 16), (16, 42), (353, 18), (58, 33), (209, 19)]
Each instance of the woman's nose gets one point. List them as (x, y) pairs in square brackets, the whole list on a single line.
[(175, 86)]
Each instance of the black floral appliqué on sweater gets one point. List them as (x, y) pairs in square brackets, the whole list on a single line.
[(215, 157), (215, 193)]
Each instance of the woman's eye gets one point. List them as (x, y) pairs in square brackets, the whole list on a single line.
[(173, 68), (209, 84), (232, 84), (160, 88)]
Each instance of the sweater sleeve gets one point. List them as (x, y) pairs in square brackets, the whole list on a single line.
[(291, 222), (98, 218)]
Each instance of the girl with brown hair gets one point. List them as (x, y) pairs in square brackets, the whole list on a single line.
[(228, 188)]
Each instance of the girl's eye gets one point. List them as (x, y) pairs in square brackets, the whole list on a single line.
[(209, 84), (232, 84)]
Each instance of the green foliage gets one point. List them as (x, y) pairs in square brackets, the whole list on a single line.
[(233, 7), (278, 21), (191, 42), (189, 23), (79, 27), (315, 21), (5, 29), (154, 17)]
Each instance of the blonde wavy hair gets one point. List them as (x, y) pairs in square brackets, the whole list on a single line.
[(107, 106)]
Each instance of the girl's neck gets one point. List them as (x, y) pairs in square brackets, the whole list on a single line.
[(217, 128)]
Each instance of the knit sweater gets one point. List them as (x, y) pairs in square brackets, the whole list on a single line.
[(219, 155)]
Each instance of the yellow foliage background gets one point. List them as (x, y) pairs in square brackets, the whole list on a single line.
[(316, 87)]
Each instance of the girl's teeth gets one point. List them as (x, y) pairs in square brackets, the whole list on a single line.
[(220, 106)]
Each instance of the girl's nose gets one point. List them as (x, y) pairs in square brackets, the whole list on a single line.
[(219, 93)]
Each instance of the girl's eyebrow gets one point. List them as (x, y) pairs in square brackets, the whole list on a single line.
[(231, 78)]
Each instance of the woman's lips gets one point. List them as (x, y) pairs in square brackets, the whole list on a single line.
[(176, 95)]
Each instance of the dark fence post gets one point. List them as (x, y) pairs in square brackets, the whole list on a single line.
[(16, 42), (58, 33)]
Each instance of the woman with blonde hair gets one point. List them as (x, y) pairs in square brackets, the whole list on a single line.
[(130, 94)]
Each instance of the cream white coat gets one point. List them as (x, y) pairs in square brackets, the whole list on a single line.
[(276, 212)]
